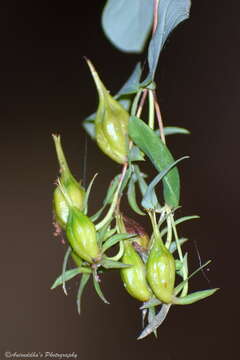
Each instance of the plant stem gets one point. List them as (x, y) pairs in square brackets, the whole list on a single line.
[(155, 16), (151, 112), (115, 201), (135, 103), (143, 99), (184, 272), (169, 229), (159, 117)]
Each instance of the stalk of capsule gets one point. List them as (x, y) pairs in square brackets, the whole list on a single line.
[(111, 123)]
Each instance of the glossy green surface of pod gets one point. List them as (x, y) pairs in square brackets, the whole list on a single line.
[(134, 278), (61, 209), (81, 234), (73, 188), (161, 271), (111, 123)]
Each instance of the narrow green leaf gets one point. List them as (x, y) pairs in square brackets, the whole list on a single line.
[(173, 246), (152, 302), (135, 154), (64, 266), (115, 239), (111, 190), (131, 195), (194, 297), (151, 316), (127, 23), (87, 194), (126, 179), (148, 201), (140, 178), (180, 286), (83, 282), (156, 322), (144, 313), (170, 14), (178, 265), (109, 234), (146, 139), (96, 216), (184, 265), (68, 275), (111, 264), (131, 86), (102, 233), (99, 291), (173, 130), (179, 221)]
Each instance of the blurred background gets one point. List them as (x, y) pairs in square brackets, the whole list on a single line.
[(46, 88)]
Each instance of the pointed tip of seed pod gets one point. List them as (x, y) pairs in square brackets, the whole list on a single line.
[(90, 64), (56, 138), (102, 91), (143, 335)]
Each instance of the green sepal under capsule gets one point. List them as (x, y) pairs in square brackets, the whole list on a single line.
[(77, 260), (161, 271), (81, 234), (73, 188), (111, 123), (134, 277)]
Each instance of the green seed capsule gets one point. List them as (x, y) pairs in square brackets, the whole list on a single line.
[(161, 271), (134, 278), (61, 209), (74, 190), (81, 234), (111, 123)]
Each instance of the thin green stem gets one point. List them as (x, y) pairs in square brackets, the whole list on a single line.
[(115, 201), (180, 254), (64, 266), (151, 112), (135, 103), (155, 16), (142, 102), (169, 229), (155, 227), (119, 254), (159, 118), (176, 237)]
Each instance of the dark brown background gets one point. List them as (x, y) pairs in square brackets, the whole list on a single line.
[(46, 88)]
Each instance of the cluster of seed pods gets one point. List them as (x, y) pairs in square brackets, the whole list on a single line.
[(146, 262)]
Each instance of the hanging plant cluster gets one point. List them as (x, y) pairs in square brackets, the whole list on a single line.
[(153, 267)]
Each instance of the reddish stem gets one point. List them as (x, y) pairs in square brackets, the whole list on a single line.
[(142, 102), (159, 117), (155, 16)]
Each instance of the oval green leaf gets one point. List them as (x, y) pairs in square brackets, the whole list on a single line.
[(128, 23), (151, 144)]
